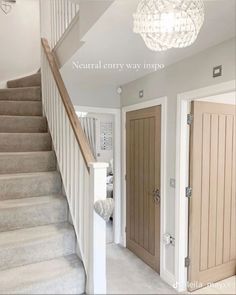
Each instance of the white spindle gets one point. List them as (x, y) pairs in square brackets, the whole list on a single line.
[(64, 141), (73, 143), (83, 187), (66, 13), (62, 14), (67, 156), (52, 14), (71, 10), (76, 175)]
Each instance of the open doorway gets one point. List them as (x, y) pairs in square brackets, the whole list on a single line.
[(104, 126), (206, 183)]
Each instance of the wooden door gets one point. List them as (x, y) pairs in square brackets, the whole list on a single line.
[(143, 184), (212, 228)]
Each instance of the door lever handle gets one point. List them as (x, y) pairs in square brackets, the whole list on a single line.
[(156, 195)]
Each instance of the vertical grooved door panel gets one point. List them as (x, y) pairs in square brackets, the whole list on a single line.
[(143, 141), (213, 191), (212, 221)]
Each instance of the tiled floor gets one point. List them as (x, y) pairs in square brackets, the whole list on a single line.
[(127, 274)]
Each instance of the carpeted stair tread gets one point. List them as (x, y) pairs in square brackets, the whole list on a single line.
[(29, 81), (23, 124), (27, 162), (30, 212), (25, 142), (36, 244), (64, 275), (21, 94), (24, 185), (20, 108)]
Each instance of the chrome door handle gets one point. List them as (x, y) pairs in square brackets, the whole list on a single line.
[(156, 195)]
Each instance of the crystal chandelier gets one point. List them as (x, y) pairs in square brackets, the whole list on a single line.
[(6, 5), (165, 24)]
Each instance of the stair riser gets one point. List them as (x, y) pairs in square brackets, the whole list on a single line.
[(18, 124), (37, 251), (23, 94), (26, 163), (25, 142), (30, 216), (30, 81), (16, 108), (72, 283), (32, 186)]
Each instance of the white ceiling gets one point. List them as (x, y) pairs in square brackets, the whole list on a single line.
[(111, 40)]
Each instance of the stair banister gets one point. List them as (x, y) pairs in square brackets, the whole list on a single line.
[(84, 180), (75, 123)]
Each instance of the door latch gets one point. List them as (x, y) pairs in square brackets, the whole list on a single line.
[(156, 195), (188, 192), (187, 262), (190, 119)]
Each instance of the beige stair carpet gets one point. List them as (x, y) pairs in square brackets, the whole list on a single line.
[(37, 242)]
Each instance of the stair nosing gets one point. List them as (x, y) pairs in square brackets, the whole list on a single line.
[(64, 226), (20, 101), (25, 153), (30, 133), (28, 117), (22, 201), (28, 174), (17, 88)]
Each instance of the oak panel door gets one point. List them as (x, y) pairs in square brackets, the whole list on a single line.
[(212, 220), (143, 145)]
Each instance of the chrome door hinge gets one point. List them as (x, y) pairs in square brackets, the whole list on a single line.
[(189, 119), (188, 192), (187, 262)]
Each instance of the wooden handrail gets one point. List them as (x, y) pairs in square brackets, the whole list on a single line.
[(74, 120)]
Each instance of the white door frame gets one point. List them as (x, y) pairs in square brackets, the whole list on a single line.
[(117, 163), (182, 150), (151, 103)]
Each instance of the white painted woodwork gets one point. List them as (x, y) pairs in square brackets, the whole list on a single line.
[(62, 14), (84, 182)]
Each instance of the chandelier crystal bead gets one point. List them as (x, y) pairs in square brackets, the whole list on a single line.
[(165, 24)]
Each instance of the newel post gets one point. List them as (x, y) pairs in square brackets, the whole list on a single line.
[(96, 276)]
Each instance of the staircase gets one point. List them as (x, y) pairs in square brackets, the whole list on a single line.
[(37, 242)]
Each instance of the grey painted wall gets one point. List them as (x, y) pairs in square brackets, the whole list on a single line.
[(104, 97), (189, 74)]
